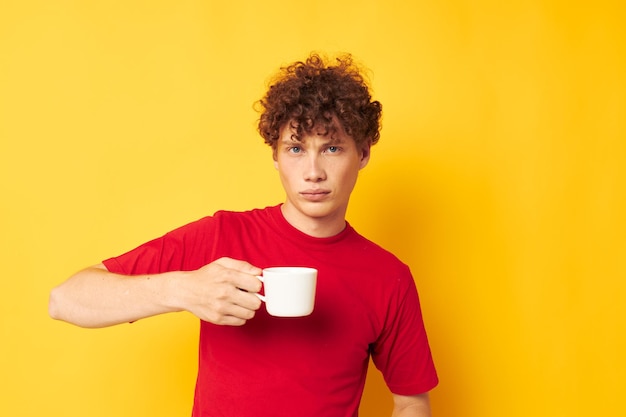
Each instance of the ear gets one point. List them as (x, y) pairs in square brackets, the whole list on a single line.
[(365, 154), (275, 158)]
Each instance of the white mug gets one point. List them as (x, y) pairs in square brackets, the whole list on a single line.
[(288, 291)]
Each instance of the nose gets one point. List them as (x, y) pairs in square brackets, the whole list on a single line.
[(314, 170)]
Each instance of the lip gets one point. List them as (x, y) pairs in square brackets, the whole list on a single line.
[(314, 194)]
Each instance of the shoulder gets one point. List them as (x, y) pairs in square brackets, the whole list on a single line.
[(376, 251), (256, 213), (250, 218), (378, 260), (229, 217), (222, 220)]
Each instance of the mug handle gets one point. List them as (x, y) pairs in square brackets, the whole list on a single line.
[(261, 297)]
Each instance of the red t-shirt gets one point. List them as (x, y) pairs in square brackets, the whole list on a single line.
[(366, 305)]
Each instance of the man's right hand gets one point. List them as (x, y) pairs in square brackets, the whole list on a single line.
[(222, 292)]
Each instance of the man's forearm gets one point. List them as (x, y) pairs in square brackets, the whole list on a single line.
[(94, 297), (411, 406)]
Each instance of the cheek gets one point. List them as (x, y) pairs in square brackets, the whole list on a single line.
[(347, 180), (286, 175)]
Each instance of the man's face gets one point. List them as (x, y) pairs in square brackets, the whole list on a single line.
[(318, 173)]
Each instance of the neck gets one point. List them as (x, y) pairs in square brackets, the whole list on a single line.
[(314, 226)]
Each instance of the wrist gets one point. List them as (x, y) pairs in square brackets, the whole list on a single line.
[(174, 291)]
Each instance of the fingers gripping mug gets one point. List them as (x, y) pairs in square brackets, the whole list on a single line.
[(288, 291)]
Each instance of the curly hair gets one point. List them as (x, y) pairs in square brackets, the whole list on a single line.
[(310, 95)]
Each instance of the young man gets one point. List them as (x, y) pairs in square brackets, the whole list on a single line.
[(320, 121)]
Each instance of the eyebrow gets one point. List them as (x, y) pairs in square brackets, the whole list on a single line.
[(289, 141), (336, 140), (331, 141)]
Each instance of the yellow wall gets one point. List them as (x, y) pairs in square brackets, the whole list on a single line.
[(500, 178)]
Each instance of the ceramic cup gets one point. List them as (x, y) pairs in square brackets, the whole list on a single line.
[(289, 291)]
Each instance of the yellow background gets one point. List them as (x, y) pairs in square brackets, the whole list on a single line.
[(500, 179)]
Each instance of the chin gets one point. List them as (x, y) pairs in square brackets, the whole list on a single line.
[(319, 210), (316, 212)]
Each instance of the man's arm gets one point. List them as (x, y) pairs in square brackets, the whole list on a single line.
[(411, 405), (95, 297)]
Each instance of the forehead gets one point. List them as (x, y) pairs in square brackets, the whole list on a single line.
[(335, 133)]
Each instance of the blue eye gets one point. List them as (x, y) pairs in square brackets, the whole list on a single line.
[(295, 149), (333, 149)]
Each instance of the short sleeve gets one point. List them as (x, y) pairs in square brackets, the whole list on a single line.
[(402, 352), (183, 249)]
